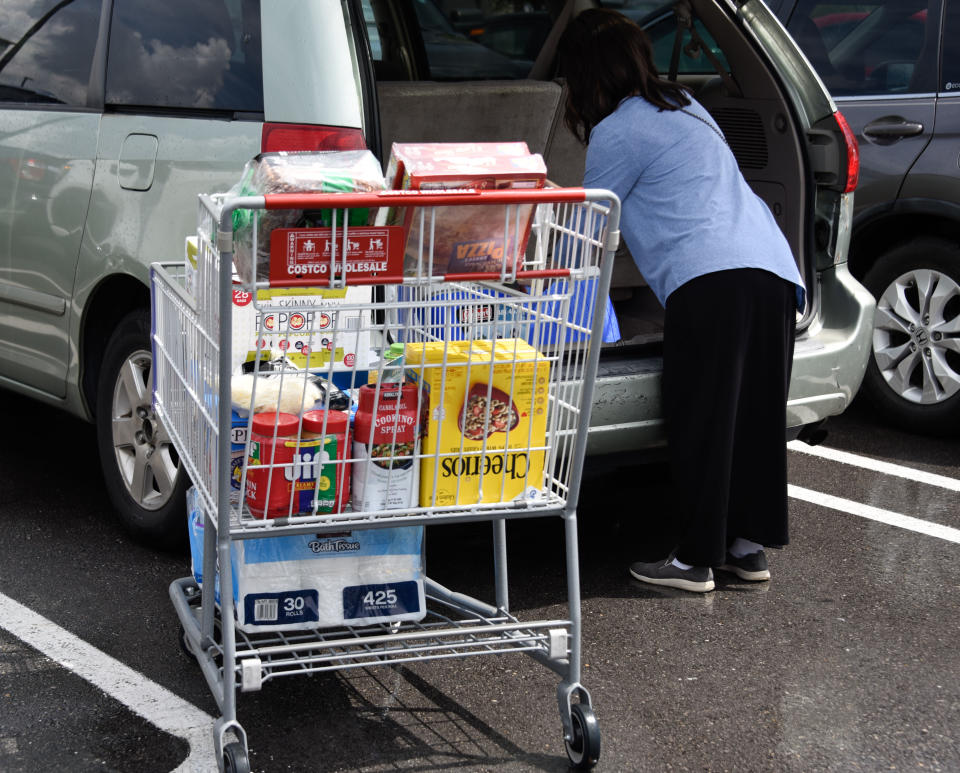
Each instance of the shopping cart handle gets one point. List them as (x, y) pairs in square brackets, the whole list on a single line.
[(422, 198)]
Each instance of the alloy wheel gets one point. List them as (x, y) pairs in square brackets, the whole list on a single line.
[(146, 459), (916, 337)]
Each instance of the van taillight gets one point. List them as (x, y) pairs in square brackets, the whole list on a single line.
[(295, 136), (853, 154)]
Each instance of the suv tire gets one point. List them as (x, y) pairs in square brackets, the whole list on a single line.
[(913, 377), (144, 478)]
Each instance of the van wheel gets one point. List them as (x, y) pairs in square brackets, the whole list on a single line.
[(144, 478), (913, 377)]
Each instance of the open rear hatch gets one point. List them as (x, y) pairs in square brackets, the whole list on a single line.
[(769, 126)]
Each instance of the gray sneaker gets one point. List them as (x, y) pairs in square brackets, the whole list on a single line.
[(752, 567), (698, 579)]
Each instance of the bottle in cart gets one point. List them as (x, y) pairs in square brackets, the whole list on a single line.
[(386, 447)]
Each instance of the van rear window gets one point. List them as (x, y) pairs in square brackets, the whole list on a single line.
[(185, 54)]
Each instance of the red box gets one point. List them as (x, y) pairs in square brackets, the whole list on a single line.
[(467, 238)]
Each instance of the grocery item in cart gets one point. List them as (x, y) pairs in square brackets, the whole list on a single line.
[(332, 490), (300, 172), (486, 419), (239, 435), (317, 329), (319, 580), (291, 392), (453, 311), (465, 239), (389, 368), (386, 445), (289, 466)]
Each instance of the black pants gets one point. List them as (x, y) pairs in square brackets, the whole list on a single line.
[(727, 354)]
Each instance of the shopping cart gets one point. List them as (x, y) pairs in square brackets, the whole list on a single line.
[(501, 366)]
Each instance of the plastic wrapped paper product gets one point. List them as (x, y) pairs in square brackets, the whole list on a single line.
[(346, 171), (320, 580)]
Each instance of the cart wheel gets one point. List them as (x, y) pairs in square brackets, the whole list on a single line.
[(235, 758), (584, 749), (182, 641)]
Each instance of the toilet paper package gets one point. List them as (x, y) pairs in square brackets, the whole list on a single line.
[(310, 581)]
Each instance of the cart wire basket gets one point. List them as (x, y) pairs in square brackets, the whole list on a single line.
[(332, 390)]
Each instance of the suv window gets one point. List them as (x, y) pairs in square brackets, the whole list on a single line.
[(46, 50), (214, 62), (870, 47)]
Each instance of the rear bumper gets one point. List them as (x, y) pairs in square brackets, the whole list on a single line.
[(829, 362)]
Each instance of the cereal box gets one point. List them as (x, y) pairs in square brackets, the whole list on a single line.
[(467, 239), (487, 418)]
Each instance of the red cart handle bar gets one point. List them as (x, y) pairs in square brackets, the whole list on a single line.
[(422, 198)]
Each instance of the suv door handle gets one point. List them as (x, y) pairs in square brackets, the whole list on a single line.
[(891, 128)]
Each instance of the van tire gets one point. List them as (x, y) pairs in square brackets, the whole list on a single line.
[(144, 477), (899, 400)]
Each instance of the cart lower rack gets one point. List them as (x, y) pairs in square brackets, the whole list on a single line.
[(317, 459)]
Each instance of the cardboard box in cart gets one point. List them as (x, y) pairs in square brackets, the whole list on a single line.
[(487, 419), (467, 239), (310, 326)]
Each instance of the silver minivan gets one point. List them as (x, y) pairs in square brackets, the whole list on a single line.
[(115, 114)]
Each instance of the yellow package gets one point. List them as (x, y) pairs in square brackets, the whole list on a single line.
[(486, 421)]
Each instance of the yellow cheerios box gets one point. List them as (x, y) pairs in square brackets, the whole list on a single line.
[(486, 419)]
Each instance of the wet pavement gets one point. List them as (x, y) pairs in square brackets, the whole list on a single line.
[(846, 661)]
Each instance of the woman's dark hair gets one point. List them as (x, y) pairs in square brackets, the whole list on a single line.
[(605, 57)]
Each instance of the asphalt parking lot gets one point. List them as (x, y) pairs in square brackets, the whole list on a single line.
[(845, 661)]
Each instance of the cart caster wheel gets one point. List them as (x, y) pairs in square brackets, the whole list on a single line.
[(235, 758), (184, 646), (584, 749)]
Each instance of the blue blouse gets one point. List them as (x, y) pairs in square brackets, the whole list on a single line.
[(686, 208)]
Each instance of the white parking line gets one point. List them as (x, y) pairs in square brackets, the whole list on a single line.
[(156, 704), (875, 513), (865, 462)]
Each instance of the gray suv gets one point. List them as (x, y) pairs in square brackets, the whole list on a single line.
[(115, 114), (893, 67)]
